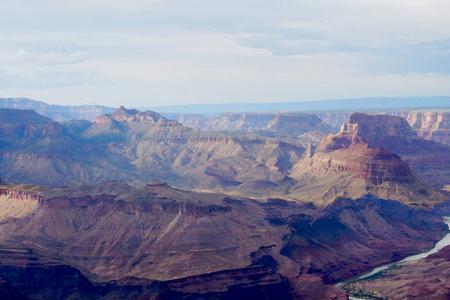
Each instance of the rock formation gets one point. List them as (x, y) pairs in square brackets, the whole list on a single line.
[(319, 214), (135, 146), (354, 162), (431, 125), (429, 161)]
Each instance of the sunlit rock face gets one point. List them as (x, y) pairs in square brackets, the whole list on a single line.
[(428, 160), (356, 161), (431, 125)]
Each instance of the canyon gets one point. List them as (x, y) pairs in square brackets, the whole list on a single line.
[(112, 231), (375, 154), (136, 204), (416, 277)]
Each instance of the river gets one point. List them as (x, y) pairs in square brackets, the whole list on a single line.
[(445, 241)]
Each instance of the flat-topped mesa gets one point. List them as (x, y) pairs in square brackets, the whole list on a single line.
[(360, 160), (356, 149), (128, 117), (374, 130), (131, 116), (371, 126), (429, 160)]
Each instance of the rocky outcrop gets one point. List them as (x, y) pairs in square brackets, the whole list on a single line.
[(354, 162), (431, 125), (355, 149), (374, 130), (429, 161)]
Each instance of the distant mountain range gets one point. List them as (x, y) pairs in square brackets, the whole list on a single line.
[(56, 112), (361, 104), (89, 112)]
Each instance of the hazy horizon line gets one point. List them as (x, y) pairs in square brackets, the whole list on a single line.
[(381, 98)]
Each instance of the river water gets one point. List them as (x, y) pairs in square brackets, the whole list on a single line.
[(445, 241)]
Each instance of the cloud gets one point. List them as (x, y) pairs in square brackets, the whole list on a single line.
[(24, 56), (31, 79), (174, 51)]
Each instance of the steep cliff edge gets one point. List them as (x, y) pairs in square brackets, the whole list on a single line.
[(429, 160)]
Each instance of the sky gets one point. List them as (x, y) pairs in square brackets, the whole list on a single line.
[(155, 52)]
